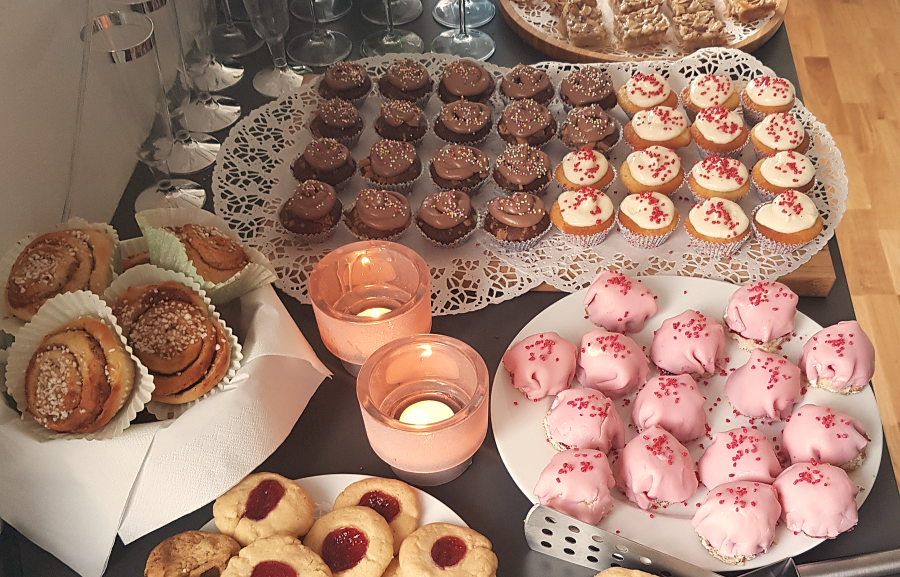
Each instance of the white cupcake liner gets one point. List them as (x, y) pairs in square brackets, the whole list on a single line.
[(621, 132), (348, 141), (273, 206), (604, 189), (752, 117), (517, 245), (149, 274), (358, 236), (642, 241), (55, 313), (168, 252), (471, 191), (715, 250), (766, 196), (8, 321), (131, 247), (479, 221), (585, 241), (769, 245), (735, 154)]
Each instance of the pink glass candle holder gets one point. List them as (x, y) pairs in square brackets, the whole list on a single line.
[(367, 294), (416, 372)]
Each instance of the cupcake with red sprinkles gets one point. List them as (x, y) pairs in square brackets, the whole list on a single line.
[(719, 131), (766, 95), (647, 219), (717, 227), (707, 91), (719, 176), (783, 171), (584, 216), (779, 132), (585, 167)]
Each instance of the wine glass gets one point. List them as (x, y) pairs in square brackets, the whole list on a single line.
[(234, 39), (391, 41), (464, 42), (270, 19), (205, 113), (478, 13), (321, 46), (324, 10), (404, 11)]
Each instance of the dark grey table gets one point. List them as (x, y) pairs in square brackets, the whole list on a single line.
[(329, 437)]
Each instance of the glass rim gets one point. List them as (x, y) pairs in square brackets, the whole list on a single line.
[(134, 50)]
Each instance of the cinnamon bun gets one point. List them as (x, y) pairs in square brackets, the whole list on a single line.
[(78, 377), (185, 350), (55, 263), (215, 255)]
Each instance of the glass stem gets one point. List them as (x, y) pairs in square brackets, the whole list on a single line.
[(276, 48), (317, 30), (179, 127), (462, 18), (389, 13), (163, 177), (229, 19)]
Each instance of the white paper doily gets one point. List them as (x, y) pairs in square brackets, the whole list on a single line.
[(253, 178), (537, 14)]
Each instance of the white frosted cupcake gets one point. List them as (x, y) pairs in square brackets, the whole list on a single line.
[(786, 170), (766, 95), (585, 216), (777, 132), (644, 91), (719, 176), (719, 131), (707, 91), (717, 227), (647, 219), (656, 169), (659, 126), (585, 167), (787, 223)]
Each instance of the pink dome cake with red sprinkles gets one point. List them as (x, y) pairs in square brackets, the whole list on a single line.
[(817, 499), (541, 365), (740, 454), (584, 419), (839, 358), (675, 403), (577, 483), (611, 363), (689, 343), (761, 315), (618, 303), (655, 469), (766, 387), (817, 433)]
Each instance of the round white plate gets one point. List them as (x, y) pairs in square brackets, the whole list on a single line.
[(324, 489), (524, 448)]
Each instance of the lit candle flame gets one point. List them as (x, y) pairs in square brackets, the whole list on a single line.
[(425, 413), (426, 351), (374, 312)]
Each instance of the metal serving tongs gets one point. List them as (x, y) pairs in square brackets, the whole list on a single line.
[(558, 535)]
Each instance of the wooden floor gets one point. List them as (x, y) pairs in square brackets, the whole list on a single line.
[(846, 57)]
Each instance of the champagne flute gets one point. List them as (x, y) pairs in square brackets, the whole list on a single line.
[(321, 46), (270, 19), (478, 13), (463, 42), (403, 11), (391, 41), (234, 39), (324, 10)]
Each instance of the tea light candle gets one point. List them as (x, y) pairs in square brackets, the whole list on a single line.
[(367, 294), (445, 379)]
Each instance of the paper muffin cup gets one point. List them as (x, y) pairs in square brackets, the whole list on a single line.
[(471, 191), (273, 206), (735, 154), (517, 245), (713, 249), (168, 252), (752, 117), (475, 143), (9, 322), (479, 221), (131, 247), (356, 102), (390, 238), (149, 274), (606, 153), (642, 241), (348, 141), (55, 313), (769, 245), (586, 241), (421, 102), (401, 187), (766, 196)]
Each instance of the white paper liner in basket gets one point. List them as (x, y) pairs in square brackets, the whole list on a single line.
[(585, 241), (11, 323), (55, 313), (168, 252), (131, 247), (149, 274)]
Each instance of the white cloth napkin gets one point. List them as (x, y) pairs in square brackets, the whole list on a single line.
[(72, 497)]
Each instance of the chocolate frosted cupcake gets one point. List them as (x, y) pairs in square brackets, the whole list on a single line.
[(526, 122), (590, 127), (326, 160), (407, 80), (463, 122), (459, 167), (466, 80), (313, 211), (337, 119), (521, 168), (517, 219), (391, 164), (347, 81), (525, 81), (586, 86), (400, 120), (378, 215), (447, 218)]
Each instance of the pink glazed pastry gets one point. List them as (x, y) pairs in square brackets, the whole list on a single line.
[(760, 315), (741, 454), (737, 521), (766, 387), (611, 363), (817, 499), (674, 403), (584, 419), (618, 303), (689, 344), (816, 433), (577, 483), (839, 358), (655, 469), (541, 365)]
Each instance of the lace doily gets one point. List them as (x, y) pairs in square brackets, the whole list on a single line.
[(253, 178), (537, 14)]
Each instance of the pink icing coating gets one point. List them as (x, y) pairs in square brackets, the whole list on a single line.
[(654, 466), (766, 387), (741, 454), (611, 363), (761, 311), (689, 344), (738, 519), (842, 353), (541, 365), (817, 499), (585, 419), (577, 483), (674, 403), (618, 303), (816, 433)]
